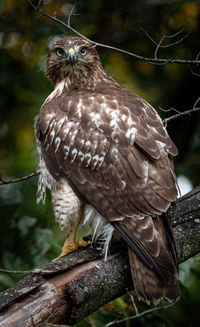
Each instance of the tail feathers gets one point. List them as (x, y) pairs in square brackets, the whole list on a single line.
[(149, 286), (152, 264)]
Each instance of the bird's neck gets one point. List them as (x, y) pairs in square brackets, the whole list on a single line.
[(84, 80)]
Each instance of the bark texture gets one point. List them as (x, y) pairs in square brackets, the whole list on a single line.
[(67, 290), (185, 218)]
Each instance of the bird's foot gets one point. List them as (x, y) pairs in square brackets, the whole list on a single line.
[(71, 246), (81, 243)]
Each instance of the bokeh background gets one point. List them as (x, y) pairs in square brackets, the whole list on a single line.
[(29, 237)]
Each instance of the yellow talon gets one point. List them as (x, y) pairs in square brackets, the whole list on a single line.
[(81, 243), (70, 244), (70, 247)]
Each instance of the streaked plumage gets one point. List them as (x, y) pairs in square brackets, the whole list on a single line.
[(107, 158)]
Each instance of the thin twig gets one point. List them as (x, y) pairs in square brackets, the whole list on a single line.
[(170, 109), (3, 182), (71, 13), (138, 315), (196, 102), (198, 56), (22, 272), (193, 72), (158, 47), (39, 4), (159, 44), (38, 271), (180, 114), (167, 36), (150, 60), (133, 303)]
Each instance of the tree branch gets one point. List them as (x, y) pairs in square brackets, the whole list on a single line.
[(154, 60), (70, 288), (181, 113), (3, 182), (160, 45), (138, 315)]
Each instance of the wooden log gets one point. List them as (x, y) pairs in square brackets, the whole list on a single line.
[(67, 290), (59, 298)]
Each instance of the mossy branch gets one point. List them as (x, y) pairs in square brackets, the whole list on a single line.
[(67, 290)]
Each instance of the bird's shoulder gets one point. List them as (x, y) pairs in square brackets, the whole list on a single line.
[(115, 113)]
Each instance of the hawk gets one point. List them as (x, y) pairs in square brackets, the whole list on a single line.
[(108, 161)]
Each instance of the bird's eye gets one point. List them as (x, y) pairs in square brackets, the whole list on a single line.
[(83, 51), (59, 52)]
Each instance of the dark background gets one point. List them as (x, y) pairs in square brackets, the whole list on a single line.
[(28, 235)]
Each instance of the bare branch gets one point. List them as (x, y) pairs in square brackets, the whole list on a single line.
[(22, 272), (167, 36), (71, 13), (138, 315), (193, 72), (198, 55), (187, 112), (150, 60), (160, 45), (39, 271), (196, 102), (179, 113), (3, 182), (147, 34), (39, 4), (54, 18), (133, 303), (170, 109)]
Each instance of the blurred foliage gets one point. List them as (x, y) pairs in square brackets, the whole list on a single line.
[(28, 235)]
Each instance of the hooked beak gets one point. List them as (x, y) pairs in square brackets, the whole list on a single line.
[(72, 56)]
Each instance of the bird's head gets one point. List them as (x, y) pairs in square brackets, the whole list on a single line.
[(71, 57)]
